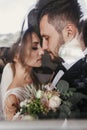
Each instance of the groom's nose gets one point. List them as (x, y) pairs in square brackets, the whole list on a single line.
[(44, 45)]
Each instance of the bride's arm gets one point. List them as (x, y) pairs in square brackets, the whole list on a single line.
[(11, 106)]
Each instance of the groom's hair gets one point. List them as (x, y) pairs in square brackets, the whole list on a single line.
[(60, 12)]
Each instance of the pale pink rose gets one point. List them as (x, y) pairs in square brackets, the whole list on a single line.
[(54, 102), (44, 101)]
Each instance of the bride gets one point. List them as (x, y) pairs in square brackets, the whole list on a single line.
[(18, 80)]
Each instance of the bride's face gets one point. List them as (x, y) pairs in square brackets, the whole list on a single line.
[(34, 58)]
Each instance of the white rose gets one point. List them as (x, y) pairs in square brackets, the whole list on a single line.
[(23, 103), (54, 102), (39, 94)]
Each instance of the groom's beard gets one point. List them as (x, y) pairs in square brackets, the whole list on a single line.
[(57, 60)]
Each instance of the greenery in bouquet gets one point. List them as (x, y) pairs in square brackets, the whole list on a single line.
[(71, 99), (47, 103)]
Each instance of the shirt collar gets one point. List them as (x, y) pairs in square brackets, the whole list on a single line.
[(67, 66)]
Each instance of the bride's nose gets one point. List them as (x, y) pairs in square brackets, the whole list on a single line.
[(41, 51)]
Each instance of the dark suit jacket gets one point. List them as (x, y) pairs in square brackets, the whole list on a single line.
[(76, 76)]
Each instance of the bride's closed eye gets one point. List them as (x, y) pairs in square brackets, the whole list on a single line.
[(35, 46)]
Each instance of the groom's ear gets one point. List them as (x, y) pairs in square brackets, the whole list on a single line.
[(69, 32)]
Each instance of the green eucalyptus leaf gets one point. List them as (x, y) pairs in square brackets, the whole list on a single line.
[(77, 97), (62, 86), (64, 110), (72, 89)]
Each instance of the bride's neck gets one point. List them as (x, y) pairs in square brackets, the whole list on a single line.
[(28, 73)]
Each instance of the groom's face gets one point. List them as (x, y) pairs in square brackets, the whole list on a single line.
[(52, 40)]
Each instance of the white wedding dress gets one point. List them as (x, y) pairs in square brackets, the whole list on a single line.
[(20, 92)]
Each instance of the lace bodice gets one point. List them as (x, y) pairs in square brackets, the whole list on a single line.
[(21, 92)]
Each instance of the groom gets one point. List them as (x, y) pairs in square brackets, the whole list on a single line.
[(59, 28)]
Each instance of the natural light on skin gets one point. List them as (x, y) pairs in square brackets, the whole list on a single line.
[(12, 13)]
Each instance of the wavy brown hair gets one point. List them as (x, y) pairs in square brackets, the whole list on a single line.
[(20, 48)]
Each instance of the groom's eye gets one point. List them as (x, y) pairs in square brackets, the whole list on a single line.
[(46, 38)]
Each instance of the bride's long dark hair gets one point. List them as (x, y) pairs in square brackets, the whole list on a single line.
[(19, 48)]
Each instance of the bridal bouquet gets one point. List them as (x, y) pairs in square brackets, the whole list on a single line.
[(39, 106), (51, 103)]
